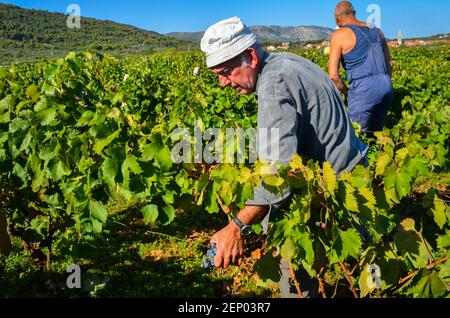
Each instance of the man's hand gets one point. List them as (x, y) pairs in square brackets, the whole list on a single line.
[(230, 246), (229, 241)]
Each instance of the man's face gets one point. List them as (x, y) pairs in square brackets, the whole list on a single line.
[(240, 77)]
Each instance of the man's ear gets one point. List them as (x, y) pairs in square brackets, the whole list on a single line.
[(254, 58)]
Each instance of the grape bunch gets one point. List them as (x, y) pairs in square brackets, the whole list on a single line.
[(321, 225), (208, 259)]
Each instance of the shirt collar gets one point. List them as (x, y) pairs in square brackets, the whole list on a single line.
[(262, 64)]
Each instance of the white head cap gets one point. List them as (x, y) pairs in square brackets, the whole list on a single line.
[(226, 40)]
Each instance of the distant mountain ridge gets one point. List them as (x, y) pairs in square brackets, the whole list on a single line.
[(272, 33), (29, 35)]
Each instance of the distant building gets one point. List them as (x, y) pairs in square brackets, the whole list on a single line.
[(284, 46), (417, 42), (400, 38), (393, 44)]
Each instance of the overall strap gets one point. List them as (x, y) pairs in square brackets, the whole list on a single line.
[(357, 28)]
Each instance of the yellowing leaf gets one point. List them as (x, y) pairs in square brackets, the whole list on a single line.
[(263, 168), (382, 163), (401, 154), (391, 197), (296, 163), (360, 177), (309, 174), (383, 139), (273, 181), (329, 177), (245, 175), (368, 281), (350, 200), (369, 196), (408, 224)]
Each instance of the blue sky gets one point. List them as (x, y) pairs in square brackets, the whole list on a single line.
[(414, 17)]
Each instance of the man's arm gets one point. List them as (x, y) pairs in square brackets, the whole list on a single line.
[(335, 62), (230, 244), (389, 61), (277, 115)]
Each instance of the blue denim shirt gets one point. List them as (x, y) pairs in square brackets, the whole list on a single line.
[(298, 98)]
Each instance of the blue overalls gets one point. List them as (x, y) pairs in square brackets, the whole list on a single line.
[(371, 92)]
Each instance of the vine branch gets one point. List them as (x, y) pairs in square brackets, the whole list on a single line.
[(321, 288), (348, 277), (294, 279)]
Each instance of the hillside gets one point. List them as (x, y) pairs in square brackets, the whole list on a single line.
[(272, 34), (33, 34)]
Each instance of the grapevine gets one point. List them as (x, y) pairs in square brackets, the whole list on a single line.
[(81, 132)]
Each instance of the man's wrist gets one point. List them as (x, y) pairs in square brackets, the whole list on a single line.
[(244, 229)]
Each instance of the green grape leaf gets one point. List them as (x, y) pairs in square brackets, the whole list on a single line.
[(19, 172), (47, 117), (150, 213), (305, 244), (102, 143), (18, 124), (439, 214), (430, 286), (268, 269), (164, 159), (50, 151), (416, 165), (33, 92), (443, 241), (403, 184), (58, 170), (110, 169), (288, 250), (170, 214), (97, 226), (351, 243), (98, 211), (168, 197)]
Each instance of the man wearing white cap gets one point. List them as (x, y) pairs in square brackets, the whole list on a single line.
[(294, 96)]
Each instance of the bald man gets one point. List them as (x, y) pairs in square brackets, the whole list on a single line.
[(364, 54)]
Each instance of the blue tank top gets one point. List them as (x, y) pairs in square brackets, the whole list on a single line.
[(367, 58)]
